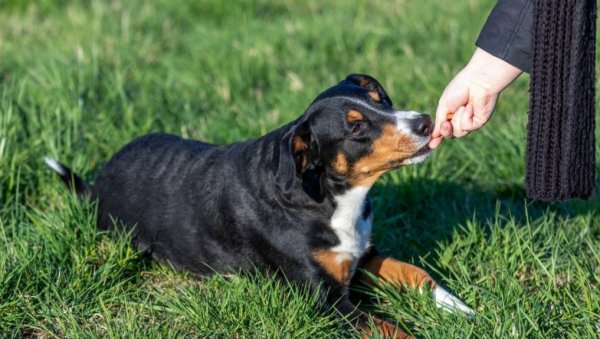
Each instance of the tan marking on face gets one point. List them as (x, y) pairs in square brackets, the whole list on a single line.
[(299, 144), (300, 148), (397, 272), (354, 116), (363, 82), (375, 96), (341, 163), (338, 269), (390, 146)]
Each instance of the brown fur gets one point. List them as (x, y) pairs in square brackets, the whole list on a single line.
[(339, 270), (386, 330), (354, 116), (391, 147), (300, 148), (397, 272), (341, 163), (375, 96)]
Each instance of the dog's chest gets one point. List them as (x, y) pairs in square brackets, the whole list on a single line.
[(351, 224)]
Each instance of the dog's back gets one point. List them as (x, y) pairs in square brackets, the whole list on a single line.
[(147, 185), (190, 202)]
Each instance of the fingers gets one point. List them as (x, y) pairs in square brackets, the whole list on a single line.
[(462, 121), (442, 128), (445, 131), (440, 114), (474, 115), (440, 117), (471, 96), (435, 142)]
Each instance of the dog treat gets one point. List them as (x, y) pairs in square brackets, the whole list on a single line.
[(449, 116)]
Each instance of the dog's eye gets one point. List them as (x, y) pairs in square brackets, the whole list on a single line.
[(358, 126)]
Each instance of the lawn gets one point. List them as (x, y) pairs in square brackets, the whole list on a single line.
[(78, 79)]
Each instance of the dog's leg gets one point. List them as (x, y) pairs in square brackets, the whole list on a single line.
[(333, 294), (397, 272), (361, 321), (334, 291), (407, 275)]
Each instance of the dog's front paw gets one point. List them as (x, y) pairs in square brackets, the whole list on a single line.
[(449, 302)]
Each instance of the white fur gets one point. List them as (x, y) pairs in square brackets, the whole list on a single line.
[(403, 119), (55, 166), (353, 231), (449, 302), (416, 160)]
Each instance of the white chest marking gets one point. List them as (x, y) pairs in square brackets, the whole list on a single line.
[(347, 222)]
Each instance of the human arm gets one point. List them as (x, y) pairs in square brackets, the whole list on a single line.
[(502, 54), (472, 96)]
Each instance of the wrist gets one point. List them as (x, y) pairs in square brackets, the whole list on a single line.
[(491, 72)]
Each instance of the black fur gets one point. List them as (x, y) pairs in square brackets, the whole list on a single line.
[(212, 208)]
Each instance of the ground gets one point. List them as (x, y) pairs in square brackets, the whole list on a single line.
[(78, 79)]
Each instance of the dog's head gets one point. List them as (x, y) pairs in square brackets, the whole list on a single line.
[(349, 136)]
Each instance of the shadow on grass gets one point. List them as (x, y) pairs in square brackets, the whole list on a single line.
[(415, 217), (412, 218)]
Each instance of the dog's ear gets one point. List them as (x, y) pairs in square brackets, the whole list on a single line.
[(298, 153), (369, 83)]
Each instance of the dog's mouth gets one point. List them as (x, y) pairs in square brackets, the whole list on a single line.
[(425, 150), (415, 158), (420, 155)]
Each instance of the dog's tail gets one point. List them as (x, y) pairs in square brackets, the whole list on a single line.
[(72, 180)]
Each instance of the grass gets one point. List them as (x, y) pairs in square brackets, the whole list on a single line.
[(81, 78)]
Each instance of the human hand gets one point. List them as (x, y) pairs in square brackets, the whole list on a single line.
[(470, 97)]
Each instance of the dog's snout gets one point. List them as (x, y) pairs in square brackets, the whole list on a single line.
[(422, 125)]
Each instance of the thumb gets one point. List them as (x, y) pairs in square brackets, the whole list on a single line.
[(444, 109)]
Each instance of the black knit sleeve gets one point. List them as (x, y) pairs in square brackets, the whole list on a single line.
[(507, 32)]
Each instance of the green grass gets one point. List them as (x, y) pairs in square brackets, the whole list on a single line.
[(81, 78)]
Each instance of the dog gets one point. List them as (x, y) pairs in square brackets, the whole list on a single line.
[(293, 201)]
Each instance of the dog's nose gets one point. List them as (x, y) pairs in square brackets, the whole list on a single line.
[(422, 125)]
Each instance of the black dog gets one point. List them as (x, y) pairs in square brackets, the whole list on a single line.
[(293, 201)]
